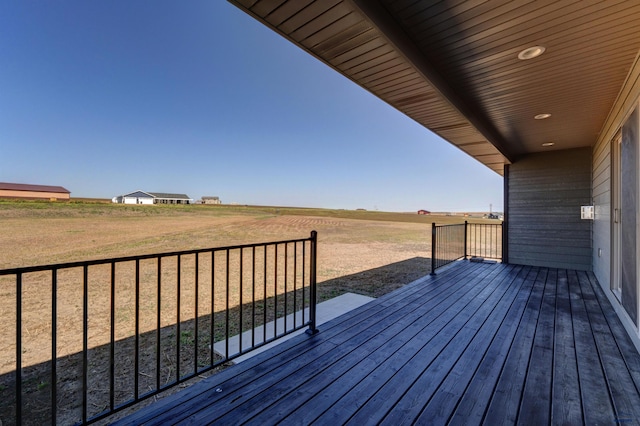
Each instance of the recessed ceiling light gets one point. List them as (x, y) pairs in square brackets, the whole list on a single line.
[(531, 52), (542, 116), (548, 144)]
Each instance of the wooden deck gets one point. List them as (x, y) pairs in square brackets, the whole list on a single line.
[(477, 344)]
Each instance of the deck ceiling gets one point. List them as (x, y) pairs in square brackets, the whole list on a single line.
[(453, 65)]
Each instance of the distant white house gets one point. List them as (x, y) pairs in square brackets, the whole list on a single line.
[(211, 200), (142, 197)]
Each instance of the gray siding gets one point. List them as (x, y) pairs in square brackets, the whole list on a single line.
[(546, 191)]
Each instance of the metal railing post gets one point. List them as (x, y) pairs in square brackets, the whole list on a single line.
[(312, 284), (502, 242), (466, 226), (433, 248), (19, 349)]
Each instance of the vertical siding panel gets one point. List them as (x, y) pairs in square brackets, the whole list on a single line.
[(546, 191)]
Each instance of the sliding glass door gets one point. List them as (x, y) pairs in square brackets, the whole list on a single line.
[(625, 199)]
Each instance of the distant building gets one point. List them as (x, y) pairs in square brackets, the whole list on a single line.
[(424, 212), (138, 197), (33, 192), (211, 200), (164, 198), (142, 197)]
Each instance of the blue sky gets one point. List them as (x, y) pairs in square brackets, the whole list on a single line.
[(195, 97)]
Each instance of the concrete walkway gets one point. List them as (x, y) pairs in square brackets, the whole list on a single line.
[(325, 311)]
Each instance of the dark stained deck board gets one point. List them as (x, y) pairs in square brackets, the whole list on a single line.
[(397, 323), (336, 386), (505, 400), (565, 393), (622, 338), (344, 330), (626, 404), (478, 343), (593, 386), (504, 322), (356, 406), (536, 399), (382, 363), (456, 363), (476, 396)]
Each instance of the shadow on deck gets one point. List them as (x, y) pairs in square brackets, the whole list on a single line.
[(478, 343), (158, 369)]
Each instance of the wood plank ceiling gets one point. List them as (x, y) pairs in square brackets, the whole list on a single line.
[(453, 65)]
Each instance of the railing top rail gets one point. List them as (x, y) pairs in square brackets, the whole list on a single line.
[(449, 225), (444, 225), (40, 268)]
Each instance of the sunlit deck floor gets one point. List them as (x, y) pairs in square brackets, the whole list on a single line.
[(478, 343)]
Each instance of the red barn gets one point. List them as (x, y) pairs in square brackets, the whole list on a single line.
[(424, 212)]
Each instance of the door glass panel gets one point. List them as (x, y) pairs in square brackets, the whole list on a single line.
[(615, 217)]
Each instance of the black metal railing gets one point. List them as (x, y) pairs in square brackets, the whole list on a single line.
[(484, 240), (462, 240), (447, 244), (91, 338)]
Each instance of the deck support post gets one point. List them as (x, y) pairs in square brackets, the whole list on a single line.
[(505, 221)]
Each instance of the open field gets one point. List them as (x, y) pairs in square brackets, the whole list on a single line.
[(34, 233), (350, 242), (369, 253)]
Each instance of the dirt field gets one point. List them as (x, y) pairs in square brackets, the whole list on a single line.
[(369, 253), (41, 233)]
